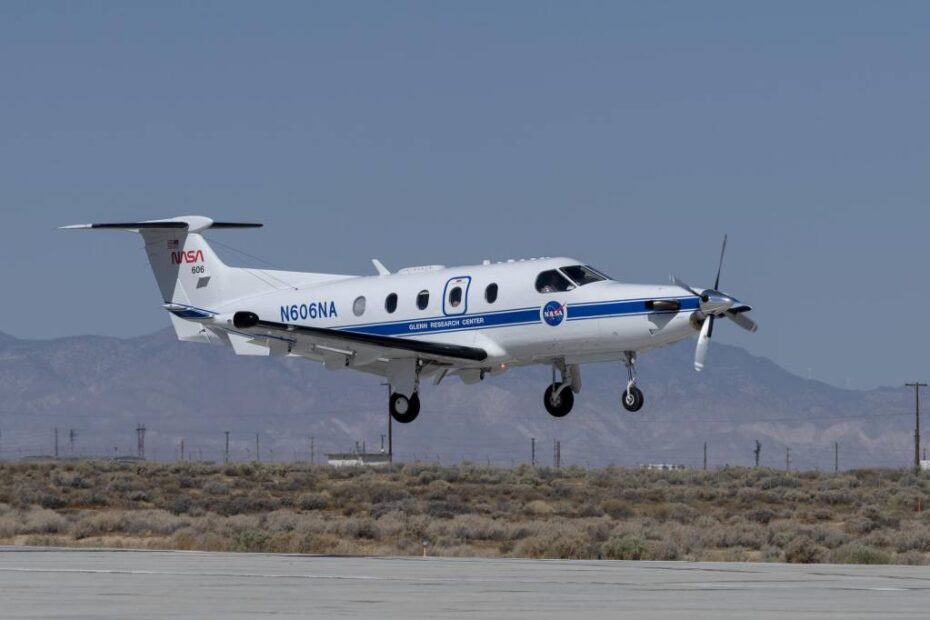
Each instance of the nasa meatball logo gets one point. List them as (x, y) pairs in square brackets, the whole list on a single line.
[(553, 313)]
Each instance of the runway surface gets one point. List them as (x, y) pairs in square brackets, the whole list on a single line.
[(58, 583)]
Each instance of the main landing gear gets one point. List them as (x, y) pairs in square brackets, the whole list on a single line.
[(632, 398), (560, 396), (404, 409)]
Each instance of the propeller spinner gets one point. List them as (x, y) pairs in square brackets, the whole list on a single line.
[(715, 304)]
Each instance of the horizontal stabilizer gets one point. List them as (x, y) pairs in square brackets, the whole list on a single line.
[(191, 223)]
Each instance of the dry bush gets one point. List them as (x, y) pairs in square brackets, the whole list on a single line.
[(731, 513)]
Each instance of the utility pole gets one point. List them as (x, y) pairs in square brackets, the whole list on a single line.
[(226, 453), (916, 385), (705, 456), (757, 451), (258, 457), (182, 449), (72, 435), (56, 442), (836, 457), (382, 443), (312, 451), (390, 428), (787, 458), (557, 453), (533, 451), (140, 440)]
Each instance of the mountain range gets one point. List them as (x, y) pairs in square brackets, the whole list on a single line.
[(97, 391)]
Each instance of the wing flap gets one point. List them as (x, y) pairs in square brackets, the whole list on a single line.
[(251, 321)]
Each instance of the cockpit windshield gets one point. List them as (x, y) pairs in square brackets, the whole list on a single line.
[(582, 274)]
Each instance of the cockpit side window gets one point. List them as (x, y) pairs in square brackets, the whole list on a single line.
[(582, 274), (553, 282)]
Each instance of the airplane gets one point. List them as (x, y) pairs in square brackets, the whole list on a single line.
[(429, 322)]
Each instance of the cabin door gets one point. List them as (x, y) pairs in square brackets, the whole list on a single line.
[(455, 296)]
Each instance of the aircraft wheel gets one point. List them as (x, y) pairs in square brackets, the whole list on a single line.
[(632, 399), (403, 409), (558, 406)]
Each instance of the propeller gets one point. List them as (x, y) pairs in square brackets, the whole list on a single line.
[(715, 304)]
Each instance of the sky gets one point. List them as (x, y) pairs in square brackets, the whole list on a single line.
[(630, 135)]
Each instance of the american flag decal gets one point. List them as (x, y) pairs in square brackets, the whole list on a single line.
[(172, 244)]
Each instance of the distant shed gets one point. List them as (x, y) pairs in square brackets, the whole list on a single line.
[(355, 459)]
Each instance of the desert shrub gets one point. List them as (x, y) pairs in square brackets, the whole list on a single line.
[(913, 538), (138, 496), (251, 540), (858, 553), (762, 516), (839, 497), (775, 482), (40, 521), (150, 522), (625, 547), (617, 509), (682, 513), (539, 508), (911, 558), (803, 550), (445, 510), (361, 528), (564, 545), (313, 501)]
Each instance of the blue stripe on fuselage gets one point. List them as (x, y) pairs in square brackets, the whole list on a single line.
[(509, 318), (599, 310), (449, 323)]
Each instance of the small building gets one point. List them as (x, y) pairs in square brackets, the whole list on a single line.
[(662, 466), (355, 459), (925, 465)]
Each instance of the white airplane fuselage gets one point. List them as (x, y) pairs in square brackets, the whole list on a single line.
[(599, 321)]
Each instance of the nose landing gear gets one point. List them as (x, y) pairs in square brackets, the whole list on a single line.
[(559, 402), (632, 398)]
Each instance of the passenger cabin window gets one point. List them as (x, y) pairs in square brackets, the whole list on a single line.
[(358, 307), (490, 293), (553, 282), (390, 303), (582, 274), (423, 300), (455, 297)]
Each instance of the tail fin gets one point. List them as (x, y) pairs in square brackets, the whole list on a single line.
[(186, 269), (192, 279), (195, 284)]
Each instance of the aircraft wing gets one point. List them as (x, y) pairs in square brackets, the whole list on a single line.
[(353, 344)]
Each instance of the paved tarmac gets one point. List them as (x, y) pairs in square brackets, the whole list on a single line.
[(60, 583)]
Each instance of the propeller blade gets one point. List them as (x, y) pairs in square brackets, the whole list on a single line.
[(742, 320), (700, 352), (684, 285), (720, 264)]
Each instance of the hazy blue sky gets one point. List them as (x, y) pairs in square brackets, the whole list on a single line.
[(630, 135)]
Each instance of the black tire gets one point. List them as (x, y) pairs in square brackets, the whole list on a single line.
[(404, 410), (563, 402), (632, 399)]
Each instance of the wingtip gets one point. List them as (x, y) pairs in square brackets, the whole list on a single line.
[(75, 227)]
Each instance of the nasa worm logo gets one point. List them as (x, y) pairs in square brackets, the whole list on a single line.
[(553, 313)]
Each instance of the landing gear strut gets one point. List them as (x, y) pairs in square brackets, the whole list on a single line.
[(404, 409), (560, 396), (632, 398)]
